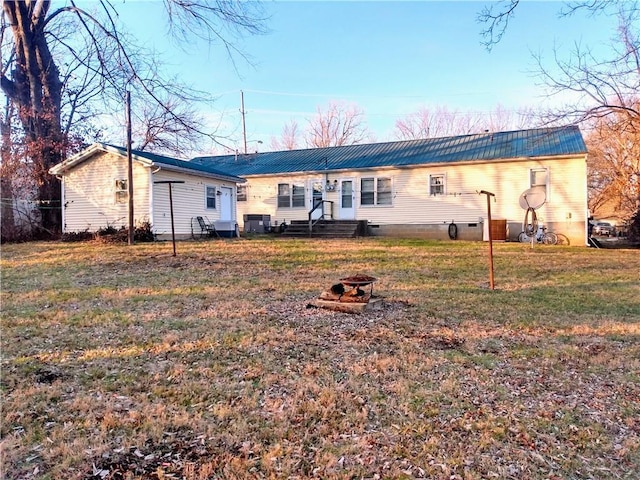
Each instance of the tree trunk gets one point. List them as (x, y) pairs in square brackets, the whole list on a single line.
[(35, 89), (6, 191)]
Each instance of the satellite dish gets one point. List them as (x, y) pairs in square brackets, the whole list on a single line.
[(533, 197)]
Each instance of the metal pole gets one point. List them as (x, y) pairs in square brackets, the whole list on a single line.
[(130, 170), (489, 195), (244, 126), (173, 230)]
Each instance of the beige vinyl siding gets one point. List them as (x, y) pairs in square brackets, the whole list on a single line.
[(565, 209), (189, 202), (90, 198), (262, 198)]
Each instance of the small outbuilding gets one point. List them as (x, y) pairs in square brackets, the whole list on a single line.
[(95, 192)]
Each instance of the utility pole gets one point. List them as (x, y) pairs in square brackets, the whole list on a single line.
[(130, 169), (244, 126)]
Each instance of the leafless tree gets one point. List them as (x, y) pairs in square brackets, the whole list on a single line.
[(497, 15), (289, 139), (614, 165), (604, 97), (441, 122), (340, 124), (68, 64)]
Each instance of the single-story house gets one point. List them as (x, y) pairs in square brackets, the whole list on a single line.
[(413, 188), (95, 192), (416, 188)]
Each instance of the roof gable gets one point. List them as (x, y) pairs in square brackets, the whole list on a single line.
[(542, 142), (147, 158)]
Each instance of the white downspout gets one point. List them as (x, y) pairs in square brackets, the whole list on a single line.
[(151, 185)]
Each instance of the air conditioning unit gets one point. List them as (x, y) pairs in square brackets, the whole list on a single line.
[(254, 223)]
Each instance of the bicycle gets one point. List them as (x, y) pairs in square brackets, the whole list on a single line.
[(541, 236)]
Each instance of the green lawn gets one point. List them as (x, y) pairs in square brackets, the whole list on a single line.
[(126, 362)]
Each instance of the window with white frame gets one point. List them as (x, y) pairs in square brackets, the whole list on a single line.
[(122, 191), (290, 195), (539, 177), (211, 197), (436, 184), (241, 193), (297, 195), (376, 191)]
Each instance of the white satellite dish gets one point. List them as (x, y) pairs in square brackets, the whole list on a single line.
[(533, 197)]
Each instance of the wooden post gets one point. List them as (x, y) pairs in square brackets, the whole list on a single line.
[(489, 195), (173, 231)]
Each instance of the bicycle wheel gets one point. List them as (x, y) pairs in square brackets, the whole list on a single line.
[(562, 239), (524, 238), (550, 238)]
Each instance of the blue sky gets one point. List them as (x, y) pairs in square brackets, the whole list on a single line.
[(389, 58)]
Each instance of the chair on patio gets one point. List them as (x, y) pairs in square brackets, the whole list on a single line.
[(206, 228)]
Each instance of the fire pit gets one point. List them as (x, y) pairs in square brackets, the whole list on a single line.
[(352, 295)]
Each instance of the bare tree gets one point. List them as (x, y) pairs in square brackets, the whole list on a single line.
[(289, 139), (340, 124), (497, 15), (614, 165), (440, 122), (69, 63), (604, 94)]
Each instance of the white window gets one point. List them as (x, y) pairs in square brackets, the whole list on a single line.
[(539, 177), (290, 195), (436, 184), (122, 191), (297, 196), (376, 191), (241, 193), (211, 197)]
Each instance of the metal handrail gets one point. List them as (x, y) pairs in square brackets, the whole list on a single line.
[(321, 217)]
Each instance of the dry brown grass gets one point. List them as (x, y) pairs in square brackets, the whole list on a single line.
[(125, 362)]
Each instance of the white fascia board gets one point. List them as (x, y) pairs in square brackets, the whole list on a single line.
[(198, 173)]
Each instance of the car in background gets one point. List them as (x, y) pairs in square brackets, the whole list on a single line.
[(602, 229)]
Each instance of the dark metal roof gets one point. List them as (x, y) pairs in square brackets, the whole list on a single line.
[(174, 163), (541, 142)]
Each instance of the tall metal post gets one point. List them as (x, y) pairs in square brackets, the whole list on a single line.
[(489, 195), (173, 230), (129, 170)]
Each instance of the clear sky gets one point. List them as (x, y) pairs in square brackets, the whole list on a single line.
[(389, 58)]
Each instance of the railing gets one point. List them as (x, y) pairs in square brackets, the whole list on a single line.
[(319, 203)]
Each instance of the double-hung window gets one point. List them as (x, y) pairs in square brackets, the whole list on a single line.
[(241, 193), (211, 197), (290, 195), (539, 179), (436, 184), (122, 191), (375, 191)]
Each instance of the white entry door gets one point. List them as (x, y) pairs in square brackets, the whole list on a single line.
[(226, 204), (347, 199), (317, 195)]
